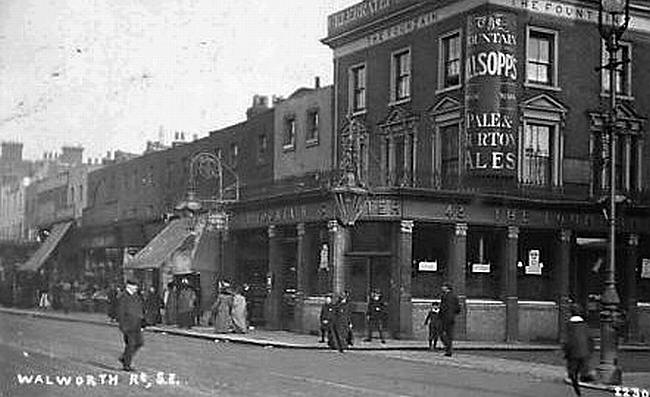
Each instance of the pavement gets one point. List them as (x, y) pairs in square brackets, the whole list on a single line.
[(407, 350)]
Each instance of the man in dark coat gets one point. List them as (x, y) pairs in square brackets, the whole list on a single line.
[(578, 347), (341, 327), (130, 316), (449, 308), (375, 316), (326, 319)]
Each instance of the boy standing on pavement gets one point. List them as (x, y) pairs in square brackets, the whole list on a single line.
[(326, 319), (433, 320), (375, 316)]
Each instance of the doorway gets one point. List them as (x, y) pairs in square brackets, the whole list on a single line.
[(590, 265), (368, 271)]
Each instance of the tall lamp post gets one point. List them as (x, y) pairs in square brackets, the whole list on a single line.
[(350, 195), (613, 19), (207, 166)]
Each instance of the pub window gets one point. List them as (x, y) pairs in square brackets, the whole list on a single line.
[(628, 162), (622, 73), (289, 135), (541, 60), (313, 125), (449, 154), (357, 83), (401, 75), (449, 60), (482, 261), (536, 164)]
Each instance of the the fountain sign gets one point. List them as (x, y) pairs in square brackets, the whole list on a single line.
[(491, 75)]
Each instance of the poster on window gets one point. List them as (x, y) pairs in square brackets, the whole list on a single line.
[(534, 265), (645, 268), (491, 76), (428, 266), (480, 268)]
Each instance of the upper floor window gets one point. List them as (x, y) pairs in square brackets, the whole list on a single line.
[(536, 165), (622, 73), (313, 125), (449, 63), (541, 60), (234, 153), (262, 147), (357, 79), (289, 134), (401, 75)]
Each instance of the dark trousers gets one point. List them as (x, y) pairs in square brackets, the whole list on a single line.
[(434, 334), (375, 324), (576, 367), (448, 336), (335, 339), (132, 342), (323, 332)]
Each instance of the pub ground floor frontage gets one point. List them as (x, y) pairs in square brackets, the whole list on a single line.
[(515, 266)]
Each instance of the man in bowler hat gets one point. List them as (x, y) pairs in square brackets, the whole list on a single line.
[(449, 308), (130, 316)]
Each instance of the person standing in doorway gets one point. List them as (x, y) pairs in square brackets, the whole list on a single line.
[(130, 316), (375, 316), (186, 302), (449, 309)]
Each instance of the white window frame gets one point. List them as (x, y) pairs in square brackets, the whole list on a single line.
[(441, 61), (393, 76), (352, 88), (291, 118), (313, 140), (604, 56), (556, 146), (554, 84)]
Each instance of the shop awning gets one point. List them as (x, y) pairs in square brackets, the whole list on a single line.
[(43, 252), (162, 246)]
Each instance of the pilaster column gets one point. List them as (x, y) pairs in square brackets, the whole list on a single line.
[(339, 243), (404, 263), (562, 263), (227, 250), (509, 283), (456, 274), (274, 297), (630, 283), (301, 281)]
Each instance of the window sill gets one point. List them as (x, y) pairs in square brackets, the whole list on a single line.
[(626, 97), (448, 89), (359, 112), (288, 148), (542, 87), (400, 101), (311, 142)]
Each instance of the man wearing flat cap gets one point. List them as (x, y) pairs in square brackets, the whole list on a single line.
[(130, 316)]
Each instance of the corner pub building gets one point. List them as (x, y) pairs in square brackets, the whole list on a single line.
[(480, 135)]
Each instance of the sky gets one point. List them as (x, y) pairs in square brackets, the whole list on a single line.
[(111, 74)]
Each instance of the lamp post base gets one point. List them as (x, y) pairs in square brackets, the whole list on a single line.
[(609, 374)]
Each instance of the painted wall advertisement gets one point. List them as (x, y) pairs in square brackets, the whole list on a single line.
[(491, 75)]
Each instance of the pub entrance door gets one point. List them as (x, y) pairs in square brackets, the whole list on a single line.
[(589, 272), (368, 271)]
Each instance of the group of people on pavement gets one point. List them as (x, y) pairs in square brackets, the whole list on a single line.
[(229, 312), (336, 320)]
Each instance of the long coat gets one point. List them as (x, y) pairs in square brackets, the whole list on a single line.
[(130, 312), (578, 345), (152, 305), (238, 313), (221, 313), (449, 308)]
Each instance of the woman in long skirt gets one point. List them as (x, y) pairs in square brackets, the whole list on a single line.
[(238, 312)]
